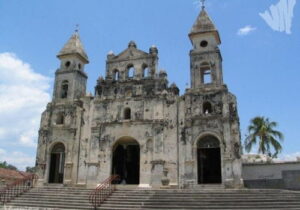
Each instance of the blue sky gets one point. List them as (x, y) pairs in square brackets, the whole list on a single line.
[(261, 67)]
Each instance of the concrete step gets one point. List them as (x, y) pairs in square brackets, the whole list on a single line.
[(30, 194), (53, 203), (80, 202), (120, 197), (48, 207), (58, 190), (200, 201), (127, 186), (249, 208), (201, 205), (171, 206), (203, 195), (45, 197), (209, 191), (206, 192), (197, 199)]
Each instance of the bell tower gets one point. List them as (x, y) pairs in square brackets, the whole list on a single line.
[(211, 116), (70, 78), (206, 59)]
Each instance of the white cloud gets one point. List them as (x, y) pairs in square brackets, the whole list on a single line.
[(23, 96), (18, 159), (289, 157), (245, 30)]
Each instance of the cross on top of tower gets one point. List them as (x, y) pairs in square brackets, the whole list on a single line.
[(76, 28), (203, 3)]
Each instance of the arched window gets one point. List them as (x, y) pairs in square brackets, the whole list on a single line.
[(60, 118), (64, 89), (116, 75), (205, 72), (207, 108), (130, 71), (127, 114), (146, 71)]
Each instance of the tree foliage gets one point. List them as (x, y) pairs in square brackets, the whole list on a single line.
[(30, 169), (262, 131), (4, 164)]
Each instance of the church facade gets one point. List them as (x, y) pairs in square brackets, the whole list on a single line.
[(136, 125)]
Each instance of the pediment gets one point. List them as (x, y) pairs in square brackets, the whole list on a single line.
[(131, 53)]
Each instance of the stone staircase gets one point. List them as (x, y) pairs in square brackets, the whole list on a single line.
[(53, 197), (204, 200)]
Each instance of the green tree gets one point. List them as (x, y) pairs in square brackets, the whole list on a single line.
[(4, 164), (30, 169), (262, 131)]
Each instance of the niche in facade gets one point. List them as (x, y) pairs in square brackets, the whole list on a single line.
[(60, 118), (207, 108), (127, 113)]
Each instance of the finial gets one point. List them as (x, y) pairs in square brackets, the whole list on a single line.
[(203, 4), (76, 28), (132, 44)]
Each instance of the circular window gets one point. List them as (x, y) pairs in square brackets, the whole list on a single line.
[(68, 63), (204, 43)]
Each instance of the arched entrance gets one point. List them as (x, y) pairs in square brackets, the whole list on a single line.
[(209, 160), (57, 163), (126, 161)]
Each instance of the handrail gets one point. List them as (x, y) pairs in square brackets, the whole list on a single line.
[(103, 191), (17, 188)]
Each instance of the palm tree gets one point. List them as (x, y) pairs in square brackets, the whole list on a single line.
[(261, 131)]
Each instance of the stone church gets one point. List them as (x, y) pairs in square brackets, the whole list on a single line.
[(138, 126)]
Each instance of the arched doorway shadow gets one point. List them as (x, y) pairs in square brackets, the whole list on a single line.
[(57, 163), (126, 161), (209, 160)]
